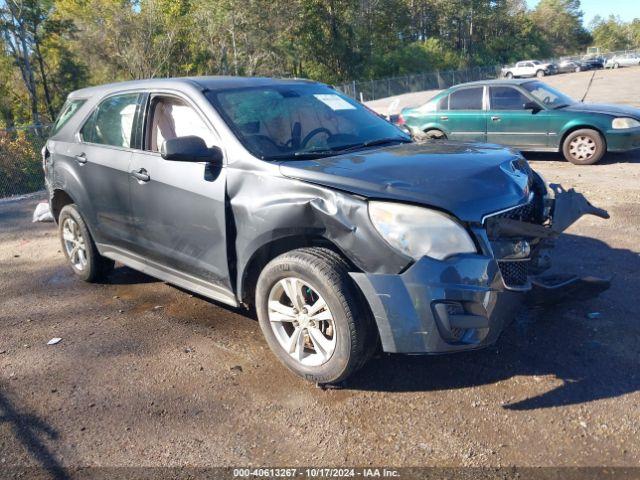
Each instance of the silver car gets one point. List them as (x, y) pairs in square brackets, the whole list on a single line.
[(626, 60)]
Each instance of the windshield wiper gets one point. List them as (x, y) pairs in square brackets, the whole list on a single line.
[(309, 154), (302, 155), (374, 143)]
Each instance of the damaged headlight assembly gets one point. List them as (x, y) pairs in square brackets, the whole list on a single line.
[(419, 231)]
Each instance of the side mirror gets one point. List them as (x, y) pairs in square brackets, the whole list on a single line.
[(533, 106), (190, 149)]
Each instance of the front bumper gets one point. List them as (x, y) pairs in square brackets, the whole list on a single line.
[(465, 302), (623, 140), (440, 306)]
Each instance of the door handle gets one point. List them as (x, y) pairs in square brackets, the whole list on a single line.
[(444, 118), (496, 119), (141, 175), (81, 159)]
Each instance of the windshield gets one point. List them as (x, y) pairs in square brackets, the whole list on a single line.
[(299, 120), (551, 97)]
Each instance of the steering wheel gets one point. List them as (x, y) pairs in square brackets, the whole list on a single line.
[(312, 134), (547, 100)]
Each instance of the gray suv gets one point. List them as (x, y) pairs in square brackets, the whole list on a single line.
[(290, 198)]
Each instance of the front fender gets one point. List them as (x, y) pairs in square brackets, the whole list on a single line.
[(265, 207)]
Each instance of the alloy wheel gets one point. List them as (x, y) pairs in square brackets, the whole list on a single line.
[(302, 322), (74, 244), (582, 148)]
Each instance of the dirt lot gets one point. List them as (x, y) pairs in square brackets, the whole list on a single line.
[(147, 374)]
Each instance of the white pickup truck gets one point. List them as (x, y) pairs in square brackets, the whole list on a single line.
[(529, 68)]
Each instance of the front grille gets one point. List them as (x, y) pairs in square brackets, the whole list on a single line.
[(514, 273), (523, 213)]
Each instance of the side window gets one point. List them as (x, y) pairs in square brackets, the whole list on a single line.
[(68, 110), (112, 122), (466, 99), (519, 64), (171, 117), (506, 98)]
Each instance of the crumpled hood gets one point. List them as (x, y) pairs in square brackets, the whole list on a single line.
[(467, 180), (615, 110)]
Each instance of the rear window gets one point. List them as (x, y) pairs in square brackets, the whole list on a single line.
[(69, 109), (466, 99)]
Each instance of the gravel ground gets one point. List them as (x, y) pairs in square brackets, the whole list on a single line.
[(149, 375)]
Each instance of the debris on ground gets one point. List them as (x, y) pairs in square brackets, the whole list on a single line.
[(42, 213), (54, 341), (236, 368)]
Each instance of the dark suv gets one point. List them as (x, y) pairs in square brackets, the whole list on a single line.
[(291, 198)]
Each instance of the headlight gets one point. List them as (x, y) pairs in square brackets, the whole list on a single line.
[(418, 231), (624, 122)]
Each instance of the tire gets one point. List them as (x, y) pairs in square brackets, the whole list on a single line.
[(350, 337), (584, 147), (435, 134), (509, 75), (540, 73), (616, 65), (578, 70), (86, 263)]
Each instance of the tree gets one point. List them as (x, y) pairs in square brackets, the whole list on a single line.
[(560, 22), (19, 20)]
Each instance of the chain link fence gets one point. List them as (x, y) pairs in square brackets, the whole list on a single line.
[(21, 160), (368, 90)]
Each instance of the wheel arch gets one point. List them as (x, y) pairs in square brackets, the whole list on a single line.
[(248, 276), (59, 199), (580, 126)]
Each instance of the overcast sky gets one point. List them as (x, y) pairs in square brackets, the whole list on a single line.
[(626, 9)]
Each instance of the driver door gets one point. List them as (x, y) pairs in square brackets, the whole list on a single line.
[(179, 207), (508, 123)]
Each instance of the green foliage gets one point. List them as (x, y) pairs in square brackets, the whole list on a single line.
[(560, 22), (74, 43), (20, 165), (613, 34)]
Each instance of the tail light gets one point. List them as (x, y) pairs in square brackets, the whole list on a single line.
[(401, 120)]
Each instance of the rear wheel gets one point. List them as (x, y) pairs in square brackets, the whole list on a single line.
[(79, 248), (584, 147), (312, 315), (509, 75)]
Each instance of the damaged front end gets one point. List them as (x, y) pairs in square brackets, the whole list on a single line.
[(522, 237), (465, 302)]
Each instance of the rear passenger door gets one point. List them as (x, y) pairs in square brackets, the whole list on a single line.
[(508, 123), (179, 207), (465, 120), (102, 155)]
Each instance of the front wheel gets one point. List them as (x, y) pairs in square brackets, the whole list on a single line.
[(312, 315), (584, 147), (540, 73)]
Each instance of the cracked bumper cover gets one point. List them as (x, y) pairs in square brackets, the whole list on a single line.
[(411, 311), (462, 303)]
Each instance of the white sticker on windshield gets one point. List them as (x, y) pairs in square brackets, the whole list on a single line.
[(335, 102)]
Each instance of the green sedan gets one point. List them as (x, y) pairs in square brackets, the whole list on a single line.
[(529, 116)]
